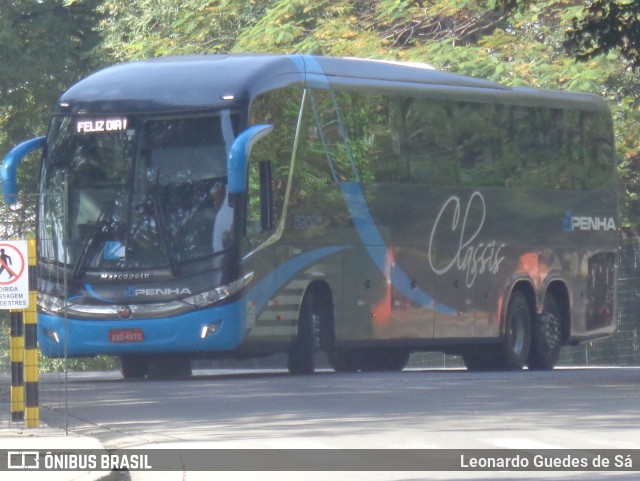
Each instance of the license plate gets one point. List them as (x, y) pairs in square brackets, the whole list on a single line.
[(126, 335)]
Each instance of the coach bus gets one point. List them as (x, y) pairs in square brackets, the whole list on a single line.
[(245, 205)]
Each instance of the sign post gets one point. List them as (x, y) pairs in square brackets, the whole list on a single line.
[(16, 258)]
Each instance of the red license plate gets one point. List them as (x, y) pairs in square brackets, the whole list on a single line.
[(126, 335)]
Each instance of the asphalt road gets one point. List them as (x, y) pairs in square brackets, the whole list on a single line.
[(578, 409)]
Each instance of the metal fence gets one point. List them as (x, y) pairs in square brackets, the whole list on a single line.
[(623, 348)]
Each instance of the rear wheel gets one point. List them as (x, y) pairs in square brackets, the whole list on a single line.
[(512, 353), (516, 343), (302, 353), (546, 336)]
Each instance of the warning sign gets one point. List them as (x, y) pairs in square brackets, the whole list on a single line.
[(14, 275)]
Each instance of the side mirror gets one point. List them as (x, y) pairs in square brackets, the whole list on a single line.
[(239, 156), (10, 164)]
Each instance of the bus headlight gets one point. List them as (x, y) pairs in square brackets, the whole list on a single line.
[(50, 304), (208, 298)]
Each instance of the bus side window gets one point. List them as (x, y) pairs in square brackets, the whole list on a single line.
[(479, 145), (266, 196), (270, 162), (254, 226), (260, 208)]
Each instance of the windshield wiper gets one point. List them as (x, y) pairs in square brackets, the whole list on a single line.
[(103, 226), (165, 235)]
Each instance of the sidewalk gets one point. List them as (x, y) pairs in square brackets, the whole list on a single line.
[(48, 438)]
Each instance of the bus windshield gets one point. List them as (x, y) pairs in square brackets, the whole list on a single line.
[(142, 193)]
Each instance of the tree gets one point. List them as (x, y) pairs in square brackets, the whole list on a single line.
[(515, 42), (46, 46), (150, 28), (599, 28)]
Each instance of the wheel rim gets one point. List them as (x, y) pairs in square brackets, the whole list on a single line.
[(517, 329)]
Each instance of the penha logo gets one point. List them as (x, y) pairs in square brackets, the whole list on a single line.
[(134, 292), (571, 223)]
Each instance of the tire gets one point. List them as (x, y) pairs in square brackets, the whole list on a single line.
[(134, 367), (516, 343), (546, 336), (302, 353), (169, 367)]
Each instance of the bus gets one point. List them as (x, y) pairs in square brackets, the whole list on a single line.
[(245, 205)]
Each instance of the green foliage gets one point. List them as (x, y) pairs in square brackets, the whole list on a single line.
[(607, 25), (152, 28), (47, 364), (45, 47), (83, 364)]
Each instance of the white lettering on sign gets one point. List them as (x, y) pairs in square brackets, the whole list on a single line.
[(88, 126), (593, 223), (14, 275), (470, 257), (162, 292), (572, 223)]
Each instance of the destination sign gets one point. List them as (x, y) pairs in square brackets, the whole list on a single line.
[(111, 124)]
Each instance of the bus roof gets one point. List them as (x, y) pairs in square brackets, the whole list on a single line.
[(228, 80)]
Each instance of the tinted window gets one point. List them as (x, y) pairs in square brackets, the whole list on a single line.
[(281, 109), (446, 142)]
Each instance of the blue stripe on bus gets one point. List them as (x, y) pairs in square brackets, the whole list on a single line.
[(92, 292), (267, 287), (377, 249), (312, 71)]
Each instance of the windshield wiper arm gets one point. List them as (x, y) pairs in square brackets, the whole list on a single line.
[(102, 227), (165, 235)]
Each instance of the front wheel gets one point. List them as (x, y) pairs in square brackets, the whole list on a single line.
[(134, 367), (302, 353)]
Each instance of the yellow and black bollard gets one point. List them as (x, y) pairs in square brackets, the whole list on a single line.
[(16, 353), (32, 410)]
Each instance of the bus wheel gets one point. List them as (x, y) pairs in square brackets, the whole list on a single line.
[(134, 367), (517, 337), (302, 353), (546, 336), (384, 359), (344, 361), (170, 367)]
